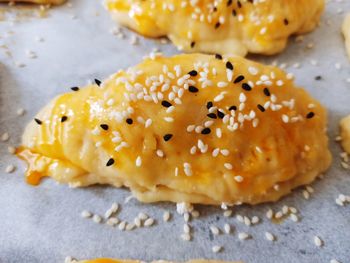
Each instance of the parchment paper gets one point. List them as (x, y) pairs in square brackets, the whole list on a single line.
[(43, 224)]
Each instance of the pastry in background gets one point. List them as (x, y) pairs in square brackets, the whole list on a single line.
[(346, 32), (190, 128), (345, 133), (224, 27), (41, 2)]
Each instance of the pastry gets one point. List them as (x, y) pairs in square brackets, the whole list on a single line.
[(346, 32), (224, 26), (345, 133), (189, 128), (41, 2)]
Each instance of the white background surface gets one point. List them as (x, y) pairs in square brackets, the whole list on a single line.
[(43, 224)]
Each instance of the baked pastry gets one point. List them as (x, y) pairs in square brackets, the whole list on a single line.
[(41, 2), (346, 32), (190, 128), (224, 26), (345, 133)]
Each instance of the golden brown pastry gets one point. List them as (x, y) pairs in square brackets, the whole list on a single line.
[(345, 133), (221, 26), (190, 128), (346, 32), (42, 2)]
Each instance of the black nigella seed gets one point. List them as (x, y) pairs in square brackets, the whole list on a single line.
[(193, 73), (209, 105), (310, 115), (217, 25), (229, 65), (267, 92), (193, 44), (234, 13), (98, 82), (167, 137), (221, 115), (129, 121), (246, 87), (74, 88), (261, 108), (206, 131), (218, 56), (110, 162), (239, 79), (318, 77), (286, 22), (64, 118), (233, 107), (104, 127), (38, 121), (166, 104), (229, 2), (239, 4), (212, 115), (192, 89)]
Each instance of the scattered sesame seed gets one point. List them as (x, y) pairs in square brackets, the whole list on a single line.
[(216, 249), (38, 121), (86, 214), (104, 127), (20, 112), (110, 162), (11, 149), (318, 241), (98, 82), (310, 115), (227, 228), (246, 87), (215, 231), (243, 236), (10, 168), (167, 137), (149, 222), (138, 161), (186, 237), (74, 88), (129, 121), (97, 219), (227, 213), (192, 89), (5, 137), (229, 65), (166, 216), (269, 236), (239, 79), (218, 56)]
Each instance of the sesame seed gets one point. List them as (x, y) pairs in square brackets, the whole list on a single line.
[(318, 241), (20, 112), (193, 73), (239, 79), (218, 56), (212, 115), (294, 217), (186, 237), (5, 137), (310, 115), (166, 104), (113, 221), (206, 131), (167, 137), (149, 222), (229, 65), (86, 214), (104, 127), (11, 149), (10, 168), (267, 92), (261, 108), (74, 88), (97, 219), (38, 121), (246, 87), (216, 249), (252, 70), (238, 178), (148, 123), (122, 225), (227, 213), (142, 216), (209, 105), (129, 121), (269, 236), (243, 236), (110, 162), (334, 261), (186, 228), (192, 89), (98, 82), (227, 228), (138, 161), (166, 216)]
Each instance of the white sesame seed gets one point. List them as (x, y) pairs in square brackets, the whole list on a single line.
[(186, 237), (122, 225), (20, 112), (216, 249), (214, 230), (269, 214), (247, 221), (10, 168), (294, 217), (160, 153), (5, 137), (240, 218), (253, 71), (86, 214), (334, 261), (309, 189), (97, 219), (243, 236), (186, 217), (149, 222), (195, 214), (113, 221), (11, 149), (222, 84), (293, 210), (186, 228), (238, 178), (193, 150), (148, 123), (306, 194), (138, 161), (255, 220), (269, 236), (137, 221), (318, 241), (166, 216), (228, 166), (227, 213), (278, 214), (227, 228), (130, 227), (229, 74)]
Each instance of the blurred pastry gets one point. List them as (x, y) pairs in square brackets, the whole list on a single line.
[(41, 2), (189, 128), (224, 27), (345, 133)]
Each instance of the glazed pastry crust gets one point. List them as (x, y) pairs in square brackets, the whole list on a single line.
[(346, 32), (263, 27), (247, 154), (345, 133), (41, 2)]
